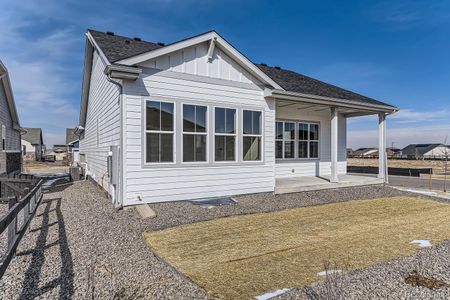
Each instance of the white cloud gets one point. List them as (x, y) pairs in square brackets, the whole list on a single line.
[(43, 91)]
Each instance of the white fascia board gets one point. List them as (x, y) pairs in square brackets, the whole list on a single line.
[(219, 41), (6, 82), (281, 94), (100, 52)]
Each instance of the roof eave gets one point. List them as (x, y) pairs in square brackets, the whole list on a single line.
[(6, 82), (282, 94)]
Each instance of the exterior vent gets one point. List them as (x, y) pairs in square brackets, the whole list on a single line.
[(110, 33), (263, 64), (278, 68), (161, 44), (137, 39)]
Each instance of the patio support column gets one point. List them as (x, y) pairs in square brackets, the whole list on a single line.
[(334, 145), (382, 146)]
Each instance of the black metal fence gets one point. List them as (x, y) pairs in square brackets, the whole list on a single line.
[(22, 194), (412, 172)]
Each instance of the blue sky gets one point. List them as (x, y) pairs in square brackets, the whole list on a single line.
[(394, 51)]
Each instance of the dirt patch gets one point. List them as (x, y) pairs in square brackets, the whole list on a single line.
[(415, 279), (245, 256)]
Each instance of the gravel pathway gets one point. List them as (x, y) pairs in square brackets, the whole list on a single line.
[(79, 247)]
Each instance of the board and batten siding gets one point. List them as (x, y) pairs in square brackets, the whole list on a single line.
[(12, 136), (314, 167), (183, 181), (102, 128)]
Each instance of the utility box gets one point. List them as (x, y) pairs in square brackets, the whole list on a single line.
[(75, 173)]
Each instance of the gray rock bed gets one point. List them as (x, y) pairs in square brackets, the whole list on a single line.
[(79, 247)]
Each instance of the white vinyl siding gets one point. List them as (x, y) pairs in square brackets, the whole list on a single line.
[(195, 180), (102, 128), (322, 165)]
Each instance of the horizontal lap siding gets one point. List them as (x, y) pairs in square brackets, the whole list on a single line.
[(182, 182), (323, 165), (104, 110)]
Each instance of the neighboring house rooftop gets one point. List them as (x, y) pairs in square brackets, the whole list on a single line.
[(70, 136), (117, 48), (59, 148), (419, 149), (32, 135)]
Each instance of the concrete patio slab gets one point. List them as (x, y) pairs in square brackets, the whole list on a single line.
[(310, 183)]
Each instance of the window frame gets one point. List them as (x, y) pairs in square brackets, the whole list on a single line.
[(297, 140), (260, 135), (3, 138), (236, 135), (206, 133), (173, 132)]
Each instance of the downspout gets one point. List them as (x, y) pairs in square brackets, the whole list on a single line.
[(118, 203)]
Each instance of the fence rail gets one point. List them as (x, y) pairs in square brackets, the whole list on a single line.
[(22, 193)]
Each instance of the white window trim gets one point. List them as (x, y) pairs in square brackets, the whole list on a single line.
[(253, 135), (297, 140), (194, 133), (308, 141), (174, 158), (235, 134)]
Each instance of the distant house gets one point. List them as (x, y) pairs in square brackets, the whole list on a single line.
[(425, 151), (72, 143), (33, 147), (372, 152), (59, 151), (10, 154)]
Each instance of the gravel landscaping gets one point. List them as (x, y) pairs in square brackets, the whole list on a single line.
[(79, 247)]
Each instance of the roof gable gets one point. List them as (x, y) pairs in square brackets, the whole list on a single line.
[(33, 136)]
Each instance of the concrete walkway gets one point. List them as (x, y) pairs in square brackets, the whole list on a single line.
[(310, 183)]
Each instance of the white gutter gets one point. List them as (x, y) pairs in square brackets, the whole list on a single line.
[(280, 94)]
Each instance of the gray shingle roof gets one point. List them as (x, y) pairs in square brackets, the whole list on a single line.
[(295, 82), (419, 149), (117, 47), (32, 135), (70, 135)]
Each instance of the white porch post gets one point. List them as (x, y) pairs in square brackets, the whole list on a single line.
[(382, 146), (334, 145)]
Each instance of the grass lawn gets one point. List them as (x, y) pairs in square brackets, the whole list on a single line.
[(241, 257)]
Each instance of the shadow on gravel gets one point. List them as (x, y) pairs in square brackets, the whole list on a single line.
[(32, 278)]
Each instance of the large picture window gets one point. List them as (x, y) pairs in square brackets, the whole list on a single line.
[(194, 133), (159, 131), (225, 134), (305, 138), (251, 135)]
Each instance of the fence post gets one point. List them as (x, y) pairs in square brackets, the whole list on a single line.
[(12, 228)]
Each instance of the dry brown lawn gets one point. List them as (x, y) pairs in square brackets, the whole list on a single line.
[(241, 257), (437, 165)]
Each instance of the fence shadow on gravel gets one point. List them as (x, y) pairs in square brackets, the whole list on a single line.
[(32, 285)]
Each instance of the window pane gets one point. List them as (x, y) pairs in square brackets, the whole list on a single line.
[(220, 119), (188, 147), (152, 154), (247, 122), (303, 131), (303, 149), (167, 147), (252, 148), (200, 147), (256, 122), (314, 132), (279, 149), (166, 116), (188, 118), (289, 131), (201, 118), (314, 149), (153, 115), (279, 130), (230, 147), (230, 121), (220, 148), (288, 149)]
